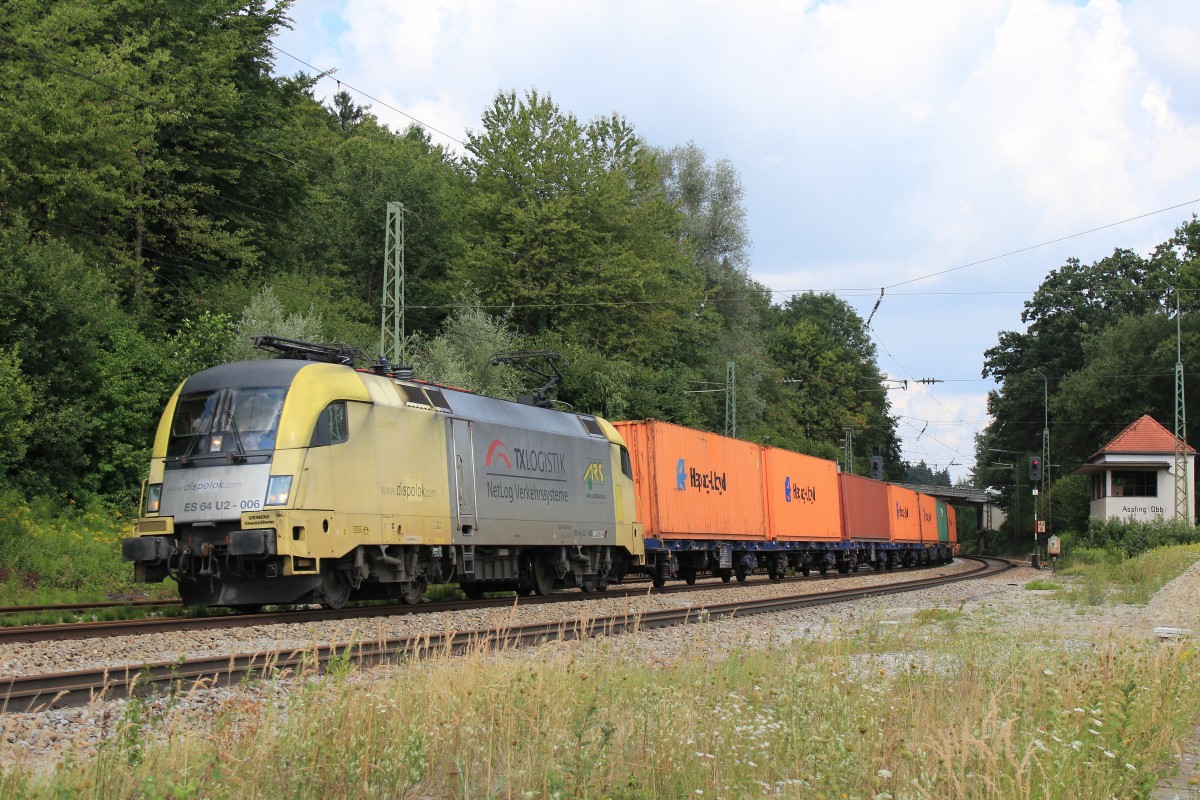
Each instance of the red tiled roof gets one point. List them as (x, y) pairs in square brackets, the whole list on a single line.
[(1144, 435)]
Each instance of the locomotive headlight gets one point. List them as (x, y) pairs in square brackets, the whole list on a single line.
[(153, 497), (278, 489)]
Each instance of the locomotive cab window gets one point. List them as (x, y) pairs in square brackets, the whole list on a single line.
[(332, 426), (626, 464), (233, 420)]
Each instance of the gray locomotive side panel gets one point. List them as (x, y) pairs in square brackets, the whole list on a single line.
[(540, 479)]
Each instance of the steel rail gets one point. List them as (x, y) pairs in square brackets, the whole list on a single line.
[(70, 631), (81, 687)]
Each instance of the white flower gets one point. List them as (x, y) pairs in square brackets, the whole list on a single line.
[(1110, 755), (1047, 672), (1130, 767), (886, 774)]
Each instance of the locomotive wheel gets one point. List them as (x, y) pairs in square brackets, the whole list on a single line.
[(411, 592), (658, 582), (335, 589), (473, 590), (589, 585), (543, 578)]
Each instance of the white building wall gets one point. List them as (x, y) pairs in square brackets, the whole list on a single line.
[(1145, 508)]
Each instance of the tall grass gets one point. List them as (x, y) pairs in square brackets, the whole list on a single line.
[(920, 714), (1108, 575)]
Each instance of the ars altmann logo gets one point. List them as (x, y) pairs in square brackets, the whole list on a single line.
[(594, 474)]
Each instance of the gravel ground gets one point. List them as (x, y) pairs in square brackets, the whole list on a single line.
[(43, 738)]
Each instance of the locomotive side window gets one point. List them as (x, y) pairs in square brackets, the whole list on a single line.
[(332, 426), (626, 464)]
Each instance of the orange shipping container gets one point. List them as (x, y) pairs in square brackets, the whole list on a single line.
[(864, 508), (952, 522), (802, 497), (904, 515), (929, 518), (695, 485)]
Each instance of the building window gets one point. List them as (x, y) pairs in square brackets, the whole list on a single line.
[(1098, 486), (1135, 483)]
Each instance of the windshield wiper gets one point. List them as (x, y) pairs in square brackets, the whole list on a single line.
[(240, 456)]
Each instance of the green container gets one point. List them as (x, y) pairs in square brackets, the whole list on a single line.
[(943, 522)]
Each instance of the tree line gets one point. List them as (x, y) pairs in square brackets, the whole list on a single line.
[(164, 195)]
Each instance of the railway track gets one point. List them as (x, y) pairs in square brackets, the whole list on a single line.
[(28, 634), (80, 687)]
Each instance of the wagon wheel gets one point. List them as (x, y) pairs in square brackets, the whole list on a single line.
[(689, 577), (411, 591), (726, 575), (335, 588), (543, 577)]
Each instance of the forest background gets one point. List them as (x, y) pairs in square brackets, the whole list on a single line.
[(164, 197)]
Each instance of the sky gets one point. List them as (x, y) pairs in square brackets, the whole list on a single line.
[(954, 152)]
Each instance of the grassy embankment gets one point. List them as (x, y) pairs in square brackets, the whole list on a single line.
[(956, 704)]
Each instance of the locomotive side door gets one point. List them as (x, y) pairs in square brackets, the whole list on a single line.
[(464, 474)]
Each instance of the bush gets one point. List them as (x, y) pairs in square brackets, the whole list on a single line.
[(1133, 537)]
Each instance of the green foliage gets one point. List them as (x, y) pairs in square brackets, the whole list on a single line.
[(461, 355), (16, 406), (265, 315), (1133, 537), (60, 553)]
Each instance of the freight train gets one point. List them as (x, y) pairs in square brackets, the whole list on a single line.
[(303, 479)]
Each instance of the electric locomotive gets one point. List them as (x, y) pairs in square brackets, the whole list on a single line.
[(302, 479)]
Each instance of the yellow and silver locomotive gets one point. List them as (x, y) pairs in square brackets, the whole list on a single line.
[(303, 479)]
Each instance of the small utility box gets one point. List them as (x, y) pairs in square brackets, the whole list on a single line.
[(1053, 547)]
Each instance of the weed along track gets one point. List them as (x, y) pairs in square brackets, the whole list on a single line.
[(295, 652)]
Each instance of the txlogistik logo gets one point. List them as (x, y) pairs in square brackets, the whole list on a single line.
[(546, 462), (801, 494), (708, 482)]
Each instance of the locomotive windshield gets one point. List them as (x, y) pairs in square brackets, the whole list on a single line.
[(232, 420)]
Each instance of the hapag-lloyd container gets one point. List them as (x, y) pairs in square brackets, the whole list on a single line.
[(802, 497), (864, 508), (951, 524), (904, 514), (695, 485)]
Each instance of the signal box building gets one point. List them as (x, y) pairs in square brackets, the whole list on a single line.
[(1133, 476)]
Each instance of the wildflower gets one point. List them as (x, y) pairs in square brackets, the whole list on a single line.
[(1110, 755), (1130, 767), (1048, 672), (1076, 744), (886, 774)]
